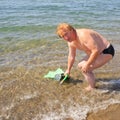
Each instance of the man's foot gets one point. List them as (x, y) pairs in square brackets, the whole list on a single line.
[(89, 88)]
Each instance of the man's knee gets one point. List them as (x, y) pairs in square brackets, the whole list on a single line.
[(81, 64)]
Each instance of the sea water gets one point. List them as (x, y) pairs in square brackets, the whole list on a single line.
[(28, 41), (25, 23)]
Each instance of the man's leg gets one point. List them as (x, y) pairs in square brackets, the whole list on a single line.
[(89, 76)]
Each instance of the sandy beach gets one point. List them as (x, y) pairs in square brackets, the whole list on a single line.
[(111, 113)]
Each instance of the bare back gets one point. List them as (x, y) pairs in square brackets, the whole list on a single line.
[(88, 39)]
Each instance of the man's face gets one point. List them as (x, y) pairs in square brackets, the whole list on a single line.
[(67, 36)]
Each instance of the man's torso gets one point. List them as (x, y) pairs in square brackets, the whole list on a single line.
[(88, 37)]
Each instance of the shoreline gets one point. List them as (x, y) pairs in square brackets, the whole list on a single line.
[(48, 99), (112, 112), (24, 88)]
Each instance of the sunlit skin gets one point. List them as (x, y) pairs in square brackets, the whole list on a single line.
[(92, 43)]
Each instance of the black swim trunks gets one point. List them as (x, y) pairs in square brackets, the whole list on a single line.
[(109, 50)]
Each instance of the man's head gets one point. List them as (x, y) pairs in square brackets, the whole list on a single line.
[(64, 31)]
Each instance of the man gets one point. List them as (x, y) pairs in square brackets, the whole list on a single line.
[(99, 51)]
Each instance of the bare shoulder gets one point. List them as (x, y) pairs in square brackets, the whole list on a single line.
[(84, 34), (88, 33), (85, 31)]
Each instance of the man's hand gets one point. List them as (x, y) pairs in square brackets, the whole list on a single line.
[(85, 68), (67, 72)]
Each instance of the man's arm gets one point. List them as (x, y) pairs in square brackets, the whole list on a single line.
[(71, 58), (94, 47)]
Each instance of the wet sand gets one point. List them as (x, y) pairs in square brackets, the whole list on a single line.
[(111, 113)]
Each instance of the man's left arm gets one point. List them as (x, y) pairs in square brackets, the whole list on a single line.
[(93, 56), (94, 49)]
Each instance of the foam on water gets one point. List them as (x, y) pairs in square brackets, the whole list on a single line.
[(28, 96), (75, 112), (79, 112), (6, 111)]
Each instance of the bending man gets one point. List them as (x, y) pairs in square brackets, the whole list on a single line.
[(98, 50)]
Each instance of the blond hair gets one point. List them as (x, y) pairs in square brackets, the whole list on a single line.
[(62, 28)]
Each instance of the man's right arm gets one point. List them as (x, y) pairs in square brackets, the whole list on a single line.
[(71, 59)]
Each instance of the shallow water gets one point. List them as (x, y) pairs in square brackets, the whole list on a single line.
[(29, 48), (26, 95)]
